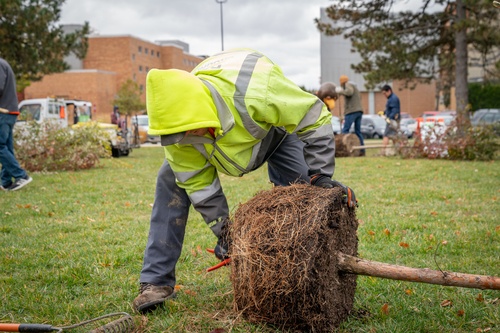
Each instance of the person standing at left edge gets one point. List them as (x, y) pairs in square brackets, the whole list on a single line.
[(13, 177)]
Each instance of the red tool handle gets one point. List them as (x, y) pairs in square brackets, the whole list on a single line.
[(26, 328), (219, 265)]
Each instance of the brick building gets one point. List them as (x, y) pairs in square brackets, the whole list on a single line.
[(110, 61)]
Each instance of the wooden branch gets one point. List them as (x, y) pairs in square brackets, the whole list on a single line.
[(350, 264)]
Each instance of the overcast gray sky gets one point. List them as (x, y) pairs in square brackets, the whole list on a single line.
[(283, 30)]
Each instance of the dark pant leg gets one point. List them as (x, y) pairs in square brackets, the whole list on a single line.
[(357, 128), (10, 166), (348, 120), (287, 164), (167, 228)]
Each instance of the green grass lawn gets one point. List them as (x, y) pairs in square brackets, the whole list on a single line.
[(71, 246)]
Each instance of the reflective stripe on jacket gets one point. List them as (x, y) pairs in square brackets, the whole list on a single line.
[(256, 106)]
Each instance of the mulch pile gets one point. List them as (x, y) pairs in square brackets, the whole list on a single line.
[(284, 268)]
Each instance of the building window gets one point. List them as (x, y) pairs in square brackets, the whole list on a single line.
[(140, 68), (158, 54), (147, 69), (140, 49), (133, 56), (141, 87), (146, 50)]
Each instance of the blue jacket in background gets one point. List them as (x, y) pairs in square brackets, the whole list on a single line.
[(392, 107)]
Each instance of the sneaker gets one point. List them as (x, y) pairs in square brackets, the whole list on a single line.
[(151, 296), (5, 187), (20, 183)]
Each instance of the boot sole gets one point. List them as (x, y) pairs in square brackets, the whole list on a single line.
[(151, 306)]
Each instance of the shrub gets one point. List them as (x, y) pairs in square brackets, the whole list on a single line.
[(474, 143), (477, 143), (48, 147)]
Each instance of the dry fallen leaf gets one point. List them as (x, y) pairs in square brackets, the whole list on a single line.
[(371, 232), (434, 213), (218, 330), (385, 309), (480, 298), (190, 292), (387, 232), (446, 302), (460, 313), (408, 291), (403, 244)]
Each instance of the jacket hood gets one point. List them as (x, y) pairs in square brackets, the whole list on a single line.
[(178, 101)]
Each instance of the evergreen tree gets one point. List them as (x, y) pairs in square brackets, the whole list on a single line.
[(430, 43), (32, 42)]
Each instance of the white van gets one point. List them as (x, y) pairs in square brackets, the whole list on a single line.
[(43, 109)]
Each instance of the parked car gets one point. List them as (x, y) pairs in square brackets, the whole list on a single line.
[(445, 120), (405, 115), (448, 113), (336, 125), (143, 123), (372, 126), (485, 116), (411, 126)]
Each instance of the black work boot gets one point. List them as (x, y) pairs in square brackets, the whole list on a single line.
[(151, 296)]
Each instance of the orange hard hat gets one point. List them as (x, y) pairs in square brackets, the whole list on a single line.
[(343, 79)]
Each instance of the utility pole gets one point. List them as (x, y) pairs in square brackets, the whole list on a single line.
[(221, 2)]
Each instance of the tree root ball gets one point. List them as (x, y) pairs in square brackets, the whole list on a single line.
[(284, 268), (344, 144)]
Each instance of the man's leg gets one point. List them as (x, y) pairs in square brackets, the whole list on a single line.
[(348, 120), (10, 166), (166, 235), (287, 164), (357, 130), (166, 232)]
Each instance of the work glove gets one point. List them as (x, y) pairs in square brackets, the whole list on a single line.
[(338, 89), (326, 182), (221, 250)]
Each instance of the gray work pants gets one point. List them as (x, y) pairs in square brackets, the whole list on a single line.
[(171, 208)]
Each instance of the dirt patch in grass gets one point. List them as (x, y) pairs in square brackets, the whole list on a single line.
[(284, 269)]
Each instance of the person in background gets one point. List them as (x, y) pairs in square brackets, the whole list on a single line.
[(12, 176), (327, 93), (353, 110), (115, 115), (392, 113), (232, 113)]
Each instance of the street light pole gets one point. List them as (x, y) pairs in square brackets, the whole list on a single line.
[(221, 23)]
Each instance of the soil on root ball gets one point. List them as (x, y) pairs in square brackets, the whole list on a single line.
[(284, 268)]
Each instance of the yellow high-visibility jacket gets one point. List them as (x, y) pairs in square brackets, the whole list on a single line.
[(251, 106)]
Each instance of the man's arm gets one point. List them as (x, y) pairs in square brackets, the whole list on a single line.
[(200, 179)]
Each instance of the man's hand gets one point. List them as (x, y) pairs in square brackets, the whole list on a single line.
[(338, 89), (327, 182), (221, 250)]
